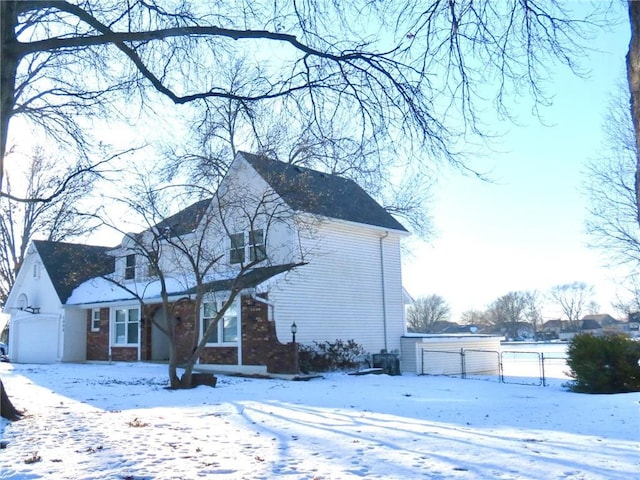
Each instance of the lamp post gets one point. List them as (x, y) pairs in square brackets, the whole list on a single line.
[(294, 330)]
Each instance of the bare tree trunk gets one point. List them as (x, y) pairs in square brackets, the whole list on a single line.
[(8, 70), (7, 410), (633, 77)]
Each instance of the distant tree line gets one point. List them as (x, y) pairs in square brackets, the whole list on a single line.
[(515, 314)]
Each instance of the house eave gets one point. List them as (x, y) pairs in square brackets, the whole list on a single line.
[(125, 301), (381, 229)]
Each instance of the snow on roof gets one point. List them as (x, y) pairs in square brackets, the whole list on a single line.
[(102, 290)]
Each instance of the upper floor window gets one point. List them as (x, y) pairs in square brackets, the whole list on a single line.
[(249, 245), (130, 267), (226, 331), (95, 320), (126, 326), (236, 253), (36, 270), (153, 269), (257, 249)]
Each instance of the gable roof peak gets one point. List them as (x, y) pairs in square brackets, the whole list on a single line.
[(320, 193), (70, 264)]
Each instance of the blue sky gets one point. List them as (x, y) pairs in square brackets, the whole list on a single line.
[(526, 230)]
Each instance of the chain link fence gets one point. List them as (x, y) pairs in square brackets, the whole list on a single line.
[(506, 366)]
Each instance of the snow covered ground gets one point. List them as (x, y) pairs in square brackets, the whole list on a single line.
[(119, 422)]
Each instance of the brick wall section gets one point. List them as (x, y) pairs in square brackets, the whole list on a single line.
[(220, 355), (124, 354), (145, 331), (98, 342), (184, 328), (260, 345)]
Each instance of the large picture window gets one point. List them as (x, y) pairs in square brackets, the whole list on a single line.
[(126, 326), (227, 329)]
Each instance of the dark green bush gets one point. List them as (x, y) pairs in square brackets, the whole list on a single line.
[(607, 364), (327, 356)]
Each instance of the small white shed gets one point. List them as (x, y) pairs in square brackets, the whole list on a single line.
[(450, 354)]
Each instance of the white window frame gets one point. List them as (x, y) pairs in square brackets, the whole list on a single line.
[(130, 270), (36, 269), (95, 317), (250, 248), (257, 250), (237, 253), (127, 323), (232, 313)]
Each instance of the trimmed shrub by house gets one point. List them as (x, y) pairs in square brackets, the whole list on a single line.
[(327, 356), (607, 364)]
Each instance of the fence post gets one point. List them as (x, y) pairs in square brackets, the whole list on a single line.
[(464, 368)]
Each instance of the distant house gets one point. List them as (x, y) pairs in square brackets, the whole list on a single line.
[(603, 320), (590, 325), (554, 326), (455, 328), (78, 302)]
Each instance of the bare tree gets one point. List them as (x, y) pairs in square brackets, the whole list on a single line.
[(193, 257), (533, 310), (633, 79), (7, 409), (426, 313), (229, 125), (574, 300), (474, 317), (406, 70), (628, 303), (612, 222), (506, 312), (57, 220)]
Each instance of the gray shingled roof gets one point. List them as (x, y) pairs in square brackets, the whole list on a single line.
[(322, 194), (70, 264), (185, 221), (249, 279)]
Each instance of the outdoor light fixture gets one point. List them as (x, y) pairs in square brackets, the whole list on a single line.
[(294, 330)]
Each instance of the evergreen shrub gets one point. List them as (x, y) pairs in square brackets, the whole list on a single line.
[(607, 364), (328, 356)]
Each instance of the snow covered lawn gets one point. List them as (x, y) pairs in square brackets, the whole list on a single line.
[(119, 422)]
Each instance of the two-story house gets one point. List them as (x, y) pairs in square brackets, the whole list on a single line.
[(305, 248)]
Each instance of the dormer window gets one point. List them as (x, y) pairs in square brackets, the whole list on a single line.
[(130, 267)]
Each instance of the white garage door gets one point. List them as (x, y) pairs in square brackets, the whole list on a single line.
[(35, 339)]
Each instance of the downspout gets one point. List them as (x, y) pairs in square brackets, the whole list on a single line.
[(268, 304), (384, 294), (140, 330)]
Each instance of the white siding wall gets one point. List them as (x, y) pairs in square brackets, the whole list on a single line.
[(55, 334), (74, 335), (39, 289), (338, 294)]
